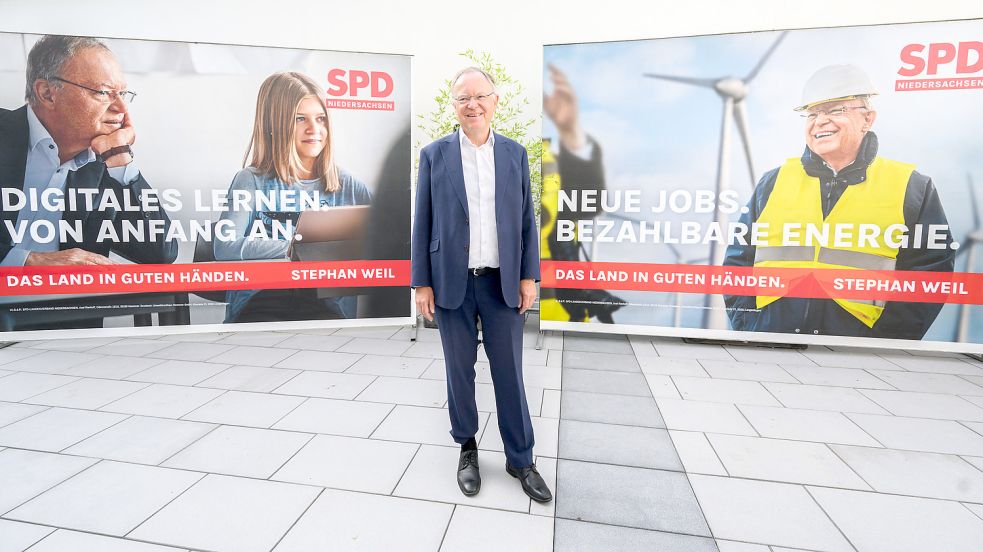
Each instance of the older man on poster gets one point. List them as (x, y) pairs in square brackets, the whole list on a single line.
[(74, 139), (475, 256), (840, 180)]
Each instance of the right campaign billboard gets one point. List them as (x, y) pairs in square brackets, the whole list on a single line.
[(805, 186)]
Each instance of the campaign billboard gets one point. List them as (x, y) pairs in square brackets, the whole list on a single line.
[(200, 187), (802, 186)]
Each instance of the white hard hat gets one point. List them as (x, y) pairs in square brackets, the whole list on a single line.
[(836, 82)]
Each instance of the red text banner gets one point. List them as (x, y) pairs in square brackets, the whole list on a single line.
[(911, 286), (51, 280)]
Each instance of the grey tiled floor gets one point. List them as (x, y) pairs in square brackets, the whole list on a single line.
[(338, 440)]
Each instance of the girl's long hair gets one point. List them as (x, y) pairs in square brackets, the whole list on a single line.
[(271, 148)]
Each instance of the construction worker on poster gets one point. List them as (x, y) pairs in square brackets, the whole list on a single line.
[(840, 179), (578, 166)]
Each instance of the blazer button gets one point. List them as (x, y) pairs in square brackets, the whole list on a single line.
[(466, 247)]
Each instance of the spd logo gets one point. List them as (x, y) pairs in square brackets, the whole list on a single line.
[(964, 61), (357, 89)]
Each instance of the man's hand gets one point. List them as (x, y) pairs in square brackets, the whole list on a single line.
[(74, 256), (527, 294), (124, 136), (424, 302), (561, 108)]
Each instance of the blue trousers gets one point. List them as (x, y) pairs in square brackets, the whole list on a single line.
[(502, 329)]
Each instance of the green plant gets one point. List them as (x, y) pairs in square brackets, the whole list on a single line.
[(508, 120)]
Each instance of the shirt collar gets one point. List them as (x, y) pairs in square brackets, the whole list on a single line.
[(465, 142), (38, 134)]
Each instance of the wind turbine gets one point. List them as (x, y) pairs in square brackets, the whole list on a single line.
[(968, 246), (733, 91)]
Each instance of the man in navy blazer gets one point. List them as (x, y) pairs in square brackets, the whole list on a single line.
[(476, 256)]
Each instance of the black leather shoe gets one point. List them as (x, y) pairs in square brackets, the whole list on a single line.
[(532, 483), (468, 478)]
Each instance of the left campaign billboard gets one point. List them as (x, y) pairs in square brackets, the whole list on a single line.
[(162, 187)]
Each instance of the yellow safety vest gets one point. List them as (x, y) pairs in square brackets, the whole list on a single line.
[(549, 307), (797, 199)]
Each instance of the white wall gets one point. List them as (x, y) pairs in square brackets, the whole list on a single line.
[(434, 31)]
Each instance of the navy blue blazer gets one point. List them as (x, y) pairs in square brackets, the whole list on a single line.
[(440, 229), (14, 141)]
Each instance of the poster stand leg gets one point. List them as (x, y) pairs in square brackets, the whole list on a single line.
[(702, 341)]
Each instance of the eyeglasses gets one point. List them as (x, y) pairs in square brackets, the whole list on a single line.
[(830, 113), (465, 100), (105, 96)]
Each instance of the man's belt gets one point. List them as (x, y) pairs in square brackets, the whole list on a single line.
[(483, 271)]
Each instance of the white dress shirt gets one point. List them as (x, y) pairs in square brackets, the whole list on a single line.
[(42, 172), (479, 182)]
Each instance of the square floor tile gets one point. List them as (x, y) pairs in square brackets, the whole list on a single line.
[(724, 391), (319, 361), (16, 536), (112, 367), (926, 405), (425, 349), (87, 393), (21, 386), (920, 434), (784, 461), (56, 429), (132, 347), (378, 365), (253, 356), (141, 440), (335, 417), (12, 412), (414, 424), (192, 351), (484, 530), (676, 348), (551, 404), (75, 541), (245, 409), (818, 397), (370, 346), (879, 522), (848, 357), (579, 536), (102, 498), (350, 463), (769, 513), (256, 339), (195, 337), (328, 385), (600, 361), (548, 377), (915, 473), (545, 431), (24, 474), (179, 372), (313, 342), (374, 332), (767, 354), (165, 401), (418, 392), (49, 362), (695, 453), (672, 366), (752, 371), (928, 383), (610, 409), (240, 451), (837, 377), (662, 387), (432, 476), (642, 447), (703, 416), (229, 513), (597, 381), (250, 378), (935, 365), (11, 354), (342, 521), (630, 497), (73, 344), (806, 425)]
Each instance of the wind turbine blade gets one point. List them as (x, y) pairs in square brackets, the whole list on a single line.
[(972, 202), (707, 83), (740, 117), (754, 72)]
